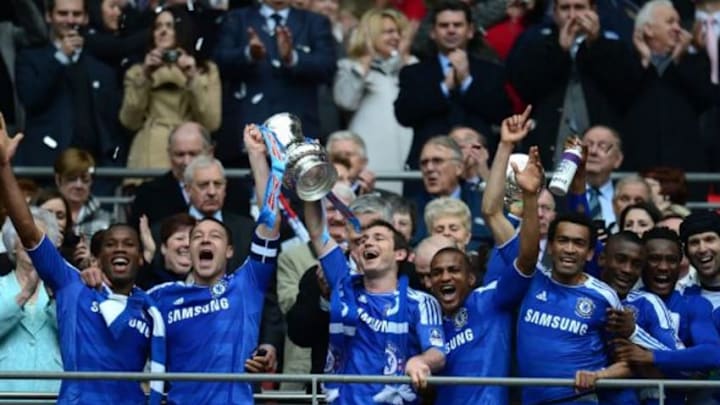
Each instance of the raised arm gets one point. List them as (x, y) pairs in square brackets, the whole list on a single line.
[(13, 198), (530, 181), (316, 226), (257, 155), (512, 131)]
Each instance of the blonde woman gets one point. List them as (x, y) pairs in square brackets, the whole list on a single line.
[(366, 84), (449, 217)]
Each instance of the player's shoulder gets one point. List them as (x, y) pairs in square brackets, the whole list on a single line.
[(169, 287), (601, 291), (418, 296)]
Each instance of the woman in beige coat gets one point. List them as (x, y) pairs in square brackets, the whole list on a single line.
[(170, 87)]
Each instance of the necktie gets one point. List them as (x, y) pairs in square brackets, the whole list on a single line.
[(277, 18), (594, 203), (711, 42)]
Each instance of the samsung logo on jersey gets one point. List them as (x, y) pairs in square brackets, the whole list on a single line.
[(141, 327), (556, 322), (190, 312), (459, 340)]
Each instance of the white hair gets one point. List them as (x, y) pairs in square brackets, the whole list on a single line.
[(646, 14), (201, 162), (346, 136), (40, 215)]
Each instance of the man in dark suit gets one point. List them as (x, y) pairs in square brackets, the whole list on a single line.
[(572, 72), (166, 195), (453, 89), (272, 59), (71, 98)]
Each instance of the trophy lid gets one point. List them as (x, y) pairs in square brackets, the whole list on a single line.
[(287, 128)]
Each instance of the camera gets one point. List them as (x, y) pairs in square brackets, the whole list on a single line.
[(170, 55)]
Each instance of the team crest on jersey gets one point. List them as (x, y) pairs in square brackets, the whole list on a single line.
[(584, 307), (461, 318), (219, 288), (436, 338), (392, 363), (331, 360)]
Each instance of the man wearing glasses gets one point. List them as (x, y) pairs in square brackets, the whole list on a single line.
[(604, 155), (441, 166)]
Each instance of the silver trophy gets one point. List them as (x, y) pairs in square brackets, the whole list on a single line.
[(513, 192), (308, 171)]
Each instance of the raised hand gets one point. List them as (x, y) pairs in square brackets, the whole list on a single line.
[(514, 128), (568, 32), (460, 64), (254, 142), (284, 43), (148, 243), (590, 25), (153, 60), (256, 46), (531, 178), (682, 45), (8, 146), (29, 281), (642, 47)]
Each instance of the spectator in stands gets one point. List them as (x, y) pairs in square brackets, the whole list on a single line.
[(186, 141), (441, 167), (668, 185), (28, 328), (604, 155), (74, 170), (475, 155), (69, 242), (449, 217), (205, 182), (404, 215), (351, 146), (453, 88), (272, 58), (671, 88), (70, 97), (519, 16), (108, 39), (639, 218), (175, 252), (424, 252), (21, 25), (629, 190), (331, 10), (366, 85), (173, 85), (572, 71), (293, 263)]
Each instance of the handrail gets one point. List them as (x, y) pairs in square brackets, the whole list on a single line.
[(314, 378)]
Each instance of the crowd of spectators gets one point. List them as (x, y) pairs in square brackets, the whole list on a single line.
[(385, 86)]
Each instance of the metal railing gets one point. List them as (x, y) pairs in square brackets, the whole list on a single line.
[(314, 379), (121, 172)]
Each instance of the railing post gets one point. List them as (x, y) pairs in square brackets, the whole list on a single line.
[(661, 391), (313, 381)]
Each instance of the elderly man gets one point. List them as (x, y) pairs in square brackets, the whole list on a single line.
[(166, 195), (441, 165), (671, 89), (631, 189), (604, 155), (350, 146), (572, 72)]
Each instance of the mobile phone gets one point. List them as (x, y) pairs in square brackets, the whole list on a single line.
[(261, 353)]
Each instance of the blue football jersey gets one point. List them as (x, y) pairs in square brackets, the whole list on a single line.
[(86, 343), (713, 297), (653, 316), (479, 338), (502, 256), (369, 352), (215, 328), (561, 329)]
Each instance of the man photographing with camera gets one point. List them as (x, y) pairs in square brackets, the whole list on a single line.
[(71, 98)]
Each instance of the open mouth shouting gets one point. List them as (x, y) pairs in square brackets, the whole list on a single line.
[(205, 258), (120, 264), (447, 293)]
